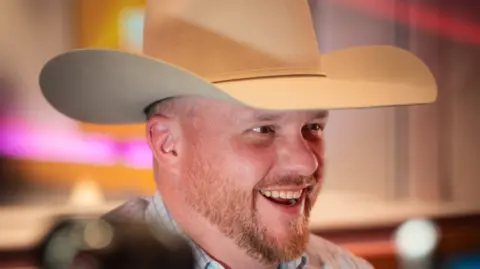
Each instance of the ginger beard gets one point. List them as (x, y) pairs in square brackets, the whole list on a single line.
[(233, 209)]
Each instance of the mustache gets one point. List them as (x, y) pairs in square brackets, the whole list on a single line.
[(288, 180)]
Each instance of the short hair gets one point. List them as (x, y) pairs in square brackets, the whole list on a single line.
[(169, 107), (155, 108)]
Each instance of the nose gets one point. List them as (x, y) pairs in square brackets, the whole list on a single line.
[(296, 157)]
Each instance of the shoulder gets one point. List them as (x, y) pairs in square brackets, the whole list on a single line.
[(325, 254), (132, 210)]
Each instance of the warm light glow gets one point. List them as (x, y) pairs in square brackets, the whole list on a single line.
[(86, 193), (416, 238)]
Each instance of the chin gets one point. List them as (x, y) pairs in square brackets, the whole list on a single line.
[(287, 232), (288, 243)]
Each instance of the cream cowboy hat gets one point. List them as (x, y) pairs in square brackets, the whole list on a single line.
[(262, 54)]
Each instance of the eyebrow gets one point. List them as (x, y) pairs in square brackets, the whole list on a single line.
[(276, 116), (267, 117), (320, 115)]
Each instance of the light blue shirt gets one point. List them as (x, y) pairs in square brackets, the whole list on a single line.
[(157, 213)]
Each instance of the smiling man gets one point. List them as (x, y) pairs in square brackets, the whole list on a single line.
[(236, 98), (241, 183)]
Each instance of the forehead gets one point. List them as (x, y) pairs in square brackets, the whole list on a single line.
[(219, 109)]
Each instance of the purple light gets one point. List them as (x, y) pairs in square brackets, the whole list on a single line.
[(137, 154), (24, 142), (47, 146)]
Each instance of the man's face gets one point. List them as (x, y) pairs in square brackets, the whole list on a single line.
[(255, 174)]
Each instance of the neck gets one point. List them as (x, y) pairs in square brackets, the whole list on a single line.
[(219, 247)]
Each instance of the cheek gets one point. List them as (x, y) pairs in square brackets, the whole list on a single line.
[(248, 164), (318, 149), (317, 145)]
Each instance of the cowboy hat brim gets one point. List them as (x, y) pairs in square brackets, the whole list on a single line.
[(114, 87)]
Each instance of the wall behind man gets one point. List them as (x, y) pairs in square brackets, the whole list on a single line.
[(426, 153), (361, 153), (31, 33)]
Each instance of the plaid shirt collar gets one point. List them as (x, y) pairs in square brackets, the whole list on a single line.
[(158, 213)]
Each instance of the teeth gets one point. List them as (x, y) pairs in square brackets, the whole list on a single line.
[(282, 194), (296, 194)]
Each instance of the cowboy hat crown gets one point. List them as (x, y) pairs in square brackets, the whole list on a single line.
[(262, 54)]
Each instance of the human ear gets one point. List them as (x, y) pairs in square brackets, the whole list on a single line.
[(162, 138)]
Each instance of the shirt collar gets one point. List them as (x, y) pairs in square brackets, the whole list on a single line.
[(157, 213)]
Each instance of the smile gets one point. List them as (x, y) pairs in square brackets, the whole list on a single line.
[(284, 197)]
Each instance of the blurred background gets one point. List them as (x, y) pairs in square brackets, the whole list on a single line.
[(400, 181)]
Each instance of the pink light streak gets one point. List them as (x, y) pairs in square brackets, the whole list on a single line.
[(137, 154), (419, 16), (45, 145)]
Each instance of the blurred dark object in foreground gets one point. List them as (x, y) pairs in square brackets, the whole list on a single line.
[(12, 182), (458, 248), (92, 243)]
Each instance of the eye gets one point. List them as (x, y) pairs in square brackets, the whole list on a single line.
[(314, 127), (313, 131), (263, 129)]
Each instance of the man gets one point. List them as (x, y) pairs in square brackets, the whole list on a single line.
[(236, 97)]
